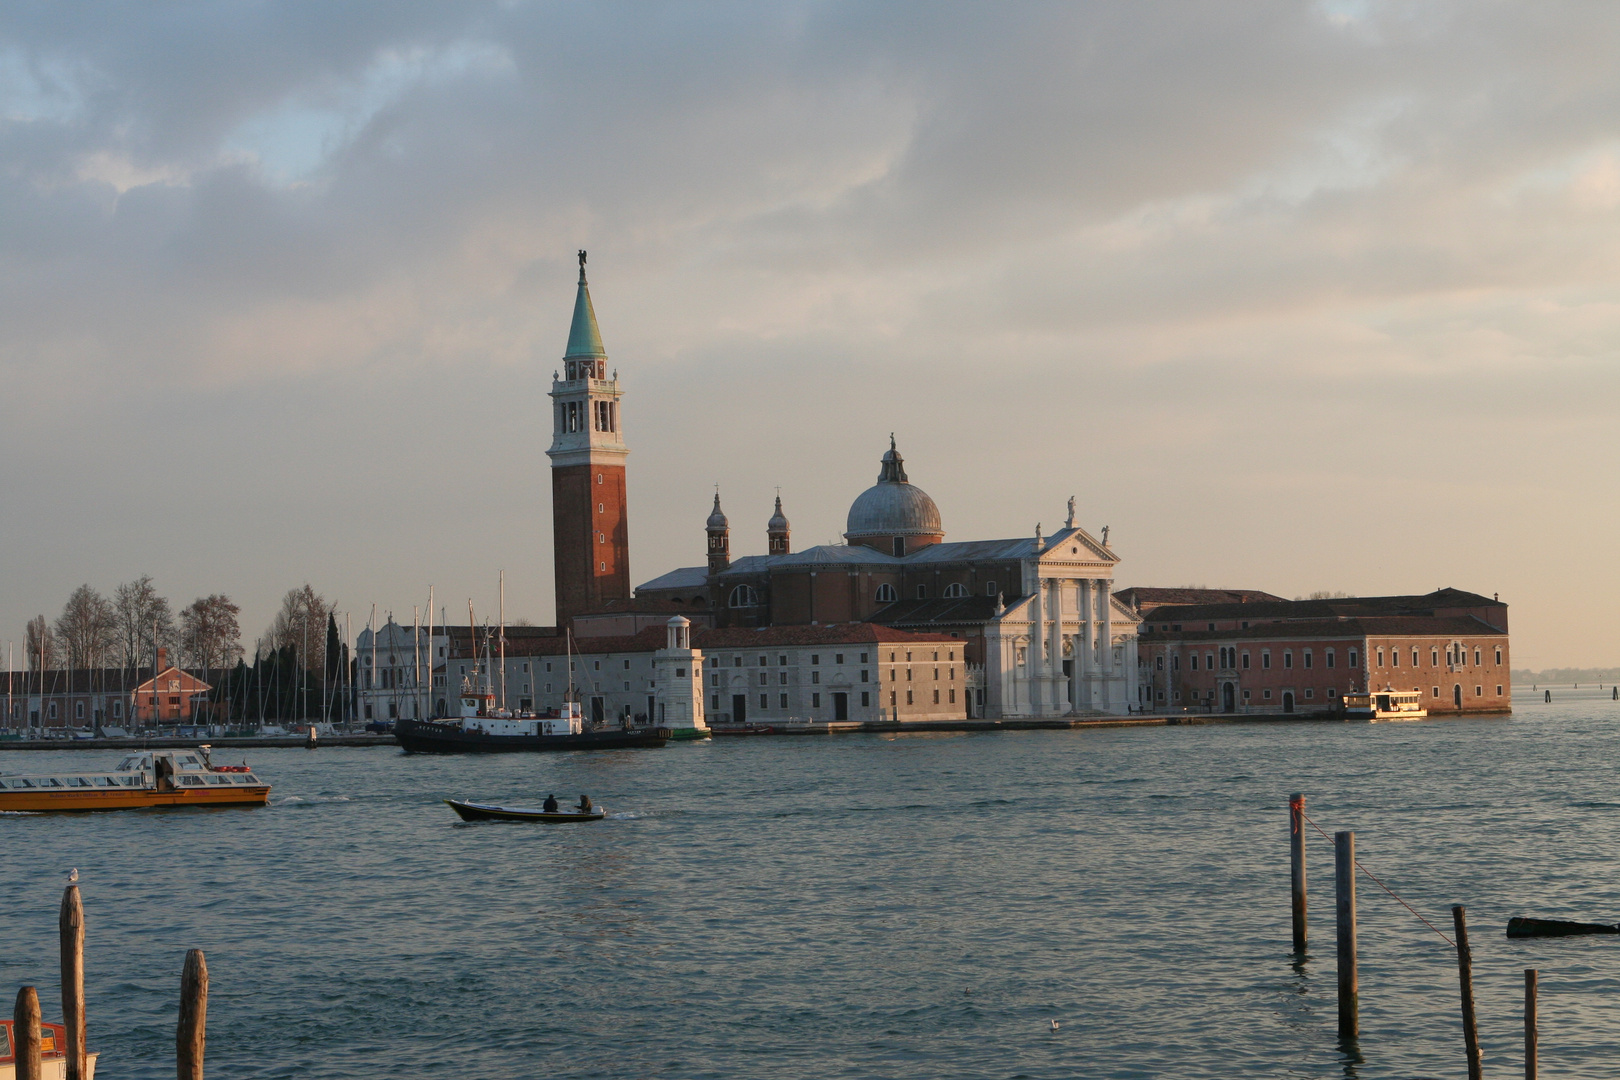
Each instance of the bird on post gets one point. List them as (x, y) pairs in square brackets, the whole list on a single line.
[(73, 876)]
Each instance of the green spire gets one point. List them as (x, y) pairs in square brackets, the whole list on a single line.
[(584, 339)]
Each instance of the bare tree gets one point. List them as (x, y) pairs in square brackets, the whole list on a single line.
[(87, 629), (301, 623), (41, 644), (209, 633), (139, 611)]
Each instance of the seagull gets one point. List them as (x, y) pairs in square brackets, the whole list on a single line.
[(73, 875), (1054, 1025)]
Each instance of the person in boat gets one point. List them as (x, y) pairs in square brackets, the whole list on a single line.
[(550, 805), (584, 804)]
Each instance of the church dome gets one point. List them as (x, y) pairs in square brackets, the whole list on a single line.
[(717, 517), (779, 521), (893, 506)]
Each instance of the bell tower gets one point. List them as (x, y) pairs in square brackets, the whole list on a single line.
[(589, 505)]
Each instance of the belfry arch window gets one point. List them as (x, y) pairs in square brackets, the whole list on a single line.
[(955, 591), (886, 594), (744, 596)]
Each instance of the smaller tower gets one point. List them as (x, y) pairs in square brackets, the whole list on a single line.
[(679, 693), (719, 531), (776, 531)]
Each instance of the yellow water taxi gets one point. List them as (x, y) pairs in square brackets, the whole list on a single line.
[(147, 778), (1385, 705)]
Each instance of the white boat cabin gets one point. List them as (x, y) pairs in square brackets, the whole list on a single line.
[(478, 713)]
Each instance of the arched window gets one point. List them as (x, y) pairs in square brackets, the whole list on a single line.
[(886, 594), (744, 596), (955, 591)]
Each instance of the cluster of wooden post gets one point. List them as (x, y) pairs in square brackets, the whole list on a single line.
[(1344, 896), (28, 1034)]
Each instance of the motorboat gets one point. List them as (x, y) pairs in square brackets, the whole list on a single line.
[(147, 778), (471, 811), (1385, 705), (53, 1053)]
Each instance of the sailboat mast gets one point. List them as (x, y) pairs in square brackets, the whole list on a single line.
[(431, 657), (416, 656), (372, 679), (472, 639), (502, 643)]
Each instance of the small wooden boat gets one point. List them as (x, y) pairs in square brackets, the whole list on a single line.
[(147, 778), (471, 811), (1520, 927), (53, 1053)]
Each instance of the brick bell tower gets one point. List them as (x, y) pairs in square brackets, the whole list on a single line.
[(589, 509)]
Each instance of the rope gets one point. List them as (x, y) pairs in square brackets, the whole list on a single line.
[(1381, 885)]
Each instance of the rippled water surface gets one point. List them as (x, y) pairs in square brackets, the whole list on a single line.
[(858, 906)]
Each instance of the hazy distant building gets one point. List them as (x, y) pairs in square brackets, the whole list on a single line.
[(1305, 655)]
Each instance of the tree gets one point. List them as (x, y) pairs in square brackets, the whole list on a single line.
[(210, 635), (300, 625), (140, 611), (40, 647), (87, 629)]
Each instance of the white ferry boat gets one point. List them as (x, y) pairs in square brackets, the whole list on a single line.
[(53, 1053), (1385, 705), (146, 778)]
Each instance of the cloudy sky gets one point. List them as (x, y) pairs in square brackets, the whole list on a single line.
[(1292, 296)]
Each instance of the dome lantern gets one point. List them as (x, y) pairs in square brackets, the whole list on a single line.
[(894, 515)]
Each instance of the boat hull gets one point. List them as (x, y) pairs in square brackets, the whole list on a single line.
[(470, 811), (78, 801), (426, 737)]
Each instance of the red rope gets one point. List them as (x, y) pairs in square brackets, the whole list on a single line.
[(1380, 884)]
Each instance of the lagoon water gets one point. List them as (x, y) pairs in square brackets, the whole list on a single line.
[(910, 906)]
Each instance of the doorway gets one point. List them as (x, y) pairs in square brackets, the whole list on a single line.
[(840, 706), (1288, 701), (1456, 695), (598, 711), (1228, 698), (739, 708)]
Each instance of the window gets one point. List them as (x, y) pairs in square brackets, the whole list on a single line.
[(838, 658), (1434, 657), (1266, 694), (764, 680), (626, 666), (714, 702), (1211, 626), (891, 699), (955, 591), (1499, 659), (762, 661), (1288, 658), (1245, 660), (1195, 661), (764, 701), (1330, 657), (596, 665), (815, 701), (866, 698), (78, 709), (863, 674), (936, 697), (1354, 658), (1476, 656), (1414, 657), (781, 661), (990, 589), (548, 665), (908, 676), (815, 676), (1479, 691), (1307, 658), (1158, 663), (1436, 692), (922, 592), (936, 674), (1265, 658), (781, 677), (908, 698), (743, 596), (863, 658), (1498, 694), (1380, 657), (899, 547), (736, 661), (1309, 693), (815, 658), (784, 700), (885, 594)]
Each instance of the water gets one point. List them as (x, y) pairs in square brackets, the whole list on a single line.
[(855, 906)]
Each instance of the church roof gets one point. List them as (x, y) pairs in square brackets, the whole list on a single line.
[(686, 577), (584, 339)]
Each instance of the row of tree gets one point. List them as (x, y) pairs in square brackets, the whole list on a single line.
[(126, 629)]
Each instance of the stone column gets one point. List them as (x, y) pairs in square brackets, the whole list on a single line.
[(1082, 642), (1036, 668), (1105, 629), (1056, 682)]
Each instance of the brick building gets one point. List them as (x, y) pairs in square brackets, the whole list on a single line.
[(85, 699), (1305, 655)]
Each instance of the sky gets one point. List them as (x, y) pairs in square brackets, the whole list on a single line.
[(1291, 296)]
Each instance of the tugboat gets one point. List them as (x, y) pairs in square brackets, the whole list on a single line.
[(482, 729)]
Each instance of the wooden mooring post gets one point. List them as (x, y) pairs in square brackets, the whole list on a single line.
[(71, 926), (1530, 1035), (1465, 976), (191, 1033), (25, 1035), (1296, 861), (1344, 904)]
